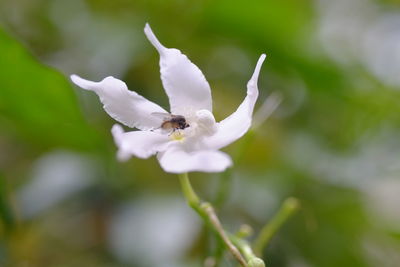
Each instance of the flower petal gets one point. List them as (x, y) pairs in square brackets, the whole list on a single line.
[(141, 144), (237, 124), (184, 83), (177, 160), (123, 105)]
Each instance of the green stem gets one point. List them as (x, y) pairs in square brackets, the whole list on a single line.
[(207, 213), (190, 195), (288, 208), (245, 248)]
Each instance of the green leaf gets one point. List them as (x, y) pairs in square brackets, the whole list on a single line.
[(37, 103)]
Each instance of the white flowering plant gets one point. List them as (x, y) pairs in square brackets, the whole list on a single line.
[(187, 138)]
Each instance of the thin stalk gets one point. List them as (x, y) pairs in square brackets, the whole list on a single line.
[(207, 213), (188, 192), (245, 248), (288, 208)]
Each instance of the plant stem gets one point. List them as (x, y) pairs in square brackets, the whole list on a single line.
[(207, 213), (190, 195), (288, 208), (245, 248)]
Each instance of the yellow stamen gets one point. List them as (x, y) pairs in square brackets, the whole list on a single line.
[(177, 136)]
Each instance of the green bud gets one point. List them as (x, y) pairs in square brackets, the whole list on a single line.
[(256, 262), (244, 231), (291, 203)]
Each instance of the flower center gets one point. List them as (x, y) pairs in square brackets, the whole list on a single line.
[(199, 124), (177, 136)]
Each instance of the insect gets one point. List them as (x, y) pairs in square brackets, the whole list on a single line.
[(171, 121)]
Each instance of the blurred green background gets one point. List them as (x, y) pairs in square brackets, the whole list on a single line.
[(333, 142)]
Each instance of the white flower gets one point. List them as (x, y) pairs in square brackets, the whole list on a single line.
[(195, 148)]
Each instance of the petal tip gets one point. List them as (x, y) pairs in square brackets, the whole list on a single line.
[(254, 78), (153, 39), (123, 156), (116, 129), (261, 59), (85, 84), (147, 27), (117, 132), (75, 78)]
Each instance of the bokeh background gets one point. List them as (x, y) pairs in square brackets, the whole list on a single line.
[(333, 142)]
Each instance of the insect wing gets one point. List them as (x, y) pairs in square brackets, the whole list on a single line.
[(163, 116)]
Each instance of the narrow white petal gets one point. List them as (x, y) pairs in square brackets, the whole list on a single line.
[(141, 144), (123, 105), (154, 41), (184, 83), (238, 123), (176, 160)]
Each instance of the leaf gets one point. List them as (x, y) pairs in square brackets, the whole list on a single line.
[(37, 103)]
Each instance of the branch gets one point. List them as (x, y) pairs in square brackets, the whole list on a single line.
[(207, 213), (245, 248), (288, 208)]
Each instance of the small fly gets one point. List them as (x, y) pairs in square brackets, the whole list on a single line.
[(171, 121)]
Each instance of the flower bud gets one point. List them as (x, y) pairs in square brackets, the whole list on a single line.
[(256, 262)]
